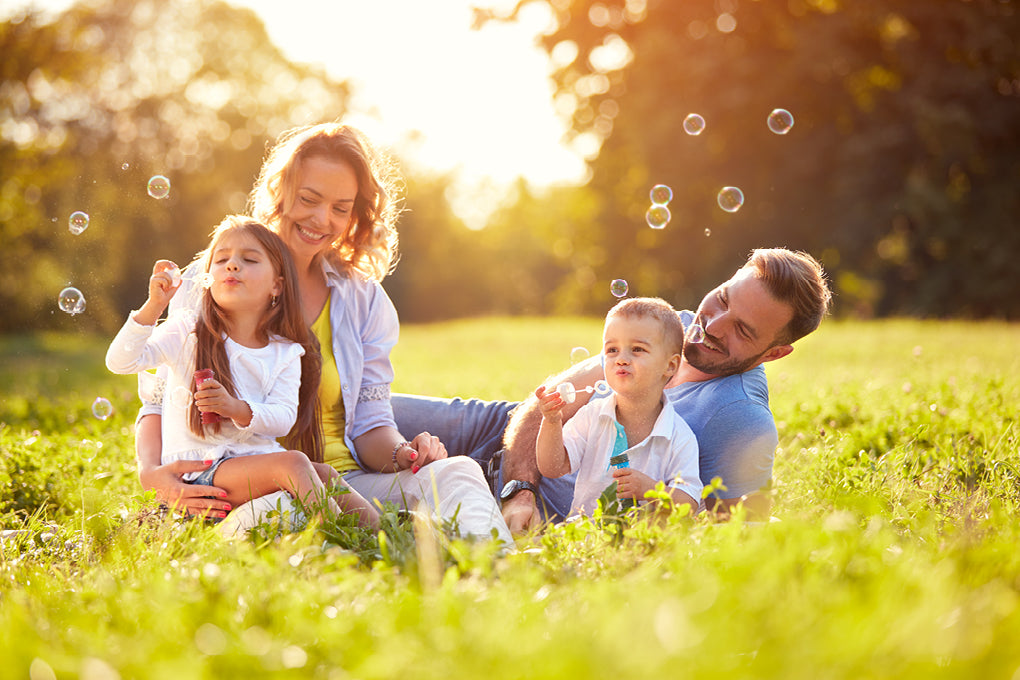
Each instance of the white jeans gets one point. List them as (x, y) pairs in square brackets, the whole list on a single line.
[(449, 487)]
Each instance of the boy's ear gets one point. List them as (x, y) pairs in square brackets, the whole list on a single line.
[(673, 366)]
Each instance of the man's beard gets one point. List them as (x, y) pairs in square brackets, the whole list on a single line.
[(721, 367)]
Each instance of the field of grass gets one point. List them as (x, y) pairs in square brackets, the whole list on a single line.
[(892, 553)]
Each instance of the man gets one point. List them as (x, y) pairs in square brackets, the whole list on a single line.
[(776, 298)]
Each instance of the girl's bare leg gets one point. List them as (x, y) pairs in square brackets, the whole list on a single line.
[(368, 516), (249, 477)]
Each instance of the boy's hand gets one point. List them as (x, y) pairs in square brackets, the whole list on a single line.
[(631, 483), (551, 404)]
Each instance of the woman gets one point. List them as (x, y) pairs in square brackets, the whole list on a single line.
[(330, 197)]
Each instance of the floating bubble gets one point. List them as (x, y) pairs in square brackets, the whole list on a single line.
[(708, 232), (125, 166), (618, 288), (694, 124), (181, 397), (159, 186), (695, 334), (780, 121), (90, 449), (78, 223), (602, 388), (657, 217), (102, 408), (206, 280), (71, 301), (579, 354), (661, 194), (731, 199)]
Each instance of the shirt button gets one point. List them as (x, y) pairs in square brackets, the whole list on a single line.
[(343, 387)]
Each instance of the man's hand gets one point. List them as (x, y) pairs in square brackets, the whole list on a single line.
[(520, 512), (187, 498)]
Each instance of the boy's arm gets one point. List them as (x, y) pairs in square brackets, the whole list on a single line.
[(550, 453), (519, 458)]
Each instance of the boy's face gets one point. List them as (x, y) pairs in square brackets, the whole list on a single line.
[(636, 358)]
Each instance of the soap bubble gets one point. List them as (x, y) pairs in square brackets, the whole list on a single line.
[(731, 199), (657, 217), (102, 408), (71, 301), (181, 397), (602, 388), (661, 194), (780, 121), (578, 354), (695, 334), (566, 392), (78, 223), (206, 280), (694, 124), (159, 186), (618, 288)]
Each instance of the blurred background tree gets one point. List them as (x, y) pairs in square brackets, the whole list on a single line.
[(901, 171)]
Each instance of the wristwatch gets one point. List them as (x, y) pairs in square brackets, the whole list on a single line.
[(515, 485)]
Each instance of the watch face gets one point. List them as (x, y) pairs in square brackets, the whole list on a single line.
[(509, 488)]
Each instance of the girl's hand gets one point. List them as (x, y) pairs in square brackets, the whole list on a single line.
[(162, 286), (427, 449), (212, 397), (163, 283), (550, 404), (631, 483)]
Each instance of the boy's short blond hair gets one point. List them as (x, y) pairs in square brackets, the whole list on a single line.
[(659, 310)]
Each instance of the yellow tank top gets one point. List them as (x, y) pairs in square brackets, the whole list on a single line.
[(335, 451)]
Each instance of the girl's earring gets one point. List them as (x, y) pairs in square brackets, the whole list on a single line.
[(272, 303)]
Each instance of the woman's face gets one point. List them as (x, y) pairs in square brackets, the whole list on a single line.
[(322, 208)]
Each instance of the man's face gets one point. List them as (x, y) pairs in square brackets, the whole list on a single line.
[(742, 321)]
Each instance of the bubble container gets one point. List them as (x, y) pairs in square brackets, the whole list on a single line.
[(208, 418)]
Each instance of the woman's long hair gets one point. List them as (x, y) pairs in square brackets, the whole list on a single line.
[(283, 319), (369, 246)]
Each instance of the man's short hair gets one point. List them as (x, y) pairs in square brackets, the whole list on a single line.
[(659, 310), (797, 279)]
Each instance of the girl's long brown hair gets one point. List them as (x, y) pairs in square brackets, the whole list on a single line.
[(284, 319)]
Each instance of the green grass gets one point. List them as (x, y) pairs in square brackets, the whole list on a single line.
[(896, 495)]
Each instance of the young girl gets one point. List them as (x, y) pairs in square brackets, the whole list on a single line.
[(250, 332)]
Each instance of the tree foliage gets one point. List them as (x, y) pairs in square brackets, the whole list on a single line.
[(101, 98), (900, 171)]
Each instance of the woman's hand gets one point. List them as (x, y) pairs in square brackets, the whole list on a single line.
[(192, 499), (428, 449)]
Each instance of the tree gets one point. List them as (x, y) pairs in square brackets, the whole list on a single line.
[(107, 95), (899, 172)]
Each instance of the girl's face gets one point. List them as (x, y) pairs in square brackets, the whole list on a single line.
[(322, 208), (243, 277)]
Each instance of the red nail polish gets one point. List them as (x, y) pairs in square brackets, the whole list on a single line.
[(207, 462), (415, 468)]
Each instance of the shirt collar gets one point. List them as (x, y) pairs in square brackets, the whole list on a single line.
[(606, 408)]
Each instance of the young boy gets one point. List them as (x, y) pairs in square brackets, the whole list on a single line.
[(642, 342)]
